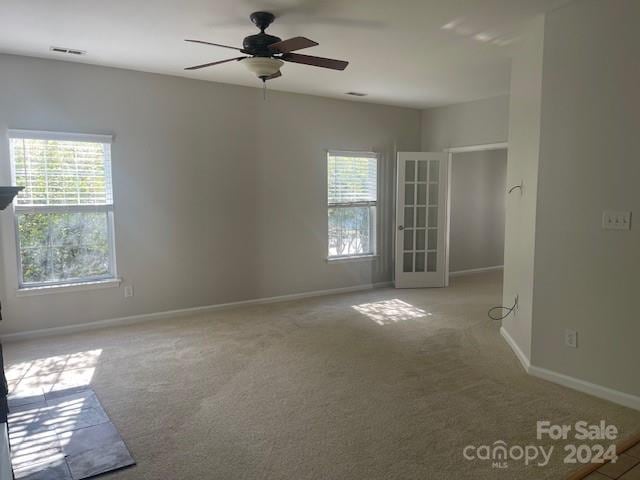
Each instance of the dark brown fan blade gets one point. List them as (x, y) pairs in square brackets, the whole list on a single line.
[(216, 45), (197, 67), (291, 44), (275, 75), (315, 61)]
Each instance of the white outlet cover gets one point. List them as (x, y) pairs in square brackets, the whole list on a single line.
[(571, 338), (612, 220)]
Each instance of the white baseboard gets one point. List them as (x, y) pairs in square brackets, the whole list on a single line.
[(524, 360), (145, 317), (615, 396), (476, 270)]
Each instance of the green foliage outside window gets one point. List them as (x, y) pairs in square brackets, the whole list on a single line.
[(63, 246)]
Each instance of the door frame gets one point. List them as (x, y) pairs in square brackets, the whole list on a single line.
[(451, 151), (442, 218)]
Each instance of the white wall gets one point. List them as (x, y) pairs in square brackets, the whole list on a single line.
[(219, 195), (522, 166), (516, 119), (471, 123), (477, 209), (588, 279), (574, 112)]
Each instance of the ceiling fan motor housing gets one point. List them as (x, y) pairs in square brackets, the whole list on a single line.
[(258, 44)]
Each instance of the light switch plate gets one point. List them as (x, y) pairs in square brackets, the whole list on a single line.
[(616, 220)]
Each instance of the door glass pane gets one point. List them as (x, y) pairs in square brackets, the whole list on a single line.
[(421, 217), (410, 171), (408, 217), (407, 263), (408, 193), (433, 194), (432, 261), (422, 170), (432, 239), (420, 240), (422, 194), (434, 169), (420, 262), (408, 239), (433, 216)]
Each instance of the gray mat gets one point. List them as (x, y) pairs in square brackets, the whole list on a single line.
[(63, 436)]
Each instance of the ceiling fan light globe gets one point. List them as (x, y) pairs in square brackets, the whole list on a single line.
[(262, 66)]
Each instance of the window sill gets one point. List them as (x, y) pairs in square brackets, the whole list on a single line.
[(358, 258), (68, 287)]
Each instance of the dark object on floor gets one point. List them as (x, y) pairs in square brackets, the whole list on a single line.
[(6, 197), (64, 436), (4, 390)]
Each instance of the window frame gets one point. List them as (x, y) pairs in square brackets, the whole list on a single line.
[(107, 141), (372, 205)]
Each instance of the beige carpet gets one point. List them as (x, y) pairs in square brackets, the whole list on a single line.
[(385, 384)]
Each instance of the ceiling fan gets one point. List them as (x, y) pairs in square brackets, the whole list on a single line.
[(265, 54)]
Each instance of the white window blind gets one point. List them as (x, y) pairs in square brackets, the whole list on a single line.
[(64, 215), (352, 178), (62, 172)]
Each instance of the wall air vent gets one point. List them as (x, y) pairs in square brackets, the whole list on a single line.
[(69, 51), (356, 94)]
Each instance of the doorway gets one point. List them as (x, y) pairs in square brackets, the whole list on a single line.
[(476, 209)]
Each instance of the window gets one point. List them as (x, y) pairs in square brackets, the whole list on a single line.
[(352, 180), (64, 216)]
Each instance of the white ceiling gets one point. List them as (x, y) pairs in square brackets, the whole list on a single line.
[(416, 53)]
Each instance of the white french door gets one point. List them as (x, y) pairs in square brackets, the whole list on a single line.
[(421, 215)]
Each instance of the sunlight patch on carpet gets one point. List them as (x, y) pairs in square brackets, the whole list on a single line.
[(388, 312)]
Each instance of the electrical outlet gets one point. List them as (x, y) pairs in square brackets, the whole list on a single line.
[(616, 220), (128, 291), (571, 338)]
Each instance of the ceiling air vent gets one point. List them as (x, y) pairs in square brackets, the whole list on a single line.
[(69, 51), (356, 94)]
